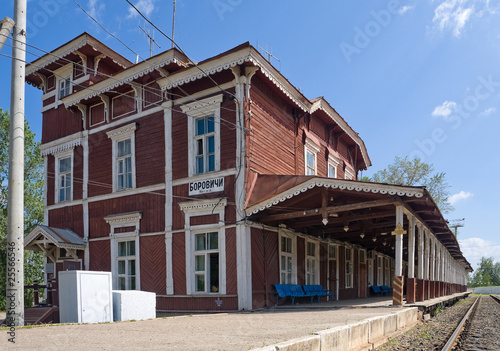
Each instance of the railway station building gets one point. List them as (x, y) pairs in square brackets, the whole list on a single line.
[(207, 183)]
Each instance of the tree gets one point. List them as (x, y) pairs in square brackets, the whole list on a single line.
[(416, 173), (33, 203), (487, 274)]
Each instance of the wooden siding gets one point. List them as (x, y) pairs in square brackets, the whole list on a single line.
[(153, 255), (69, 217), (100, 255), (60, 122), (196, 303), (323, 265), (231, 274), (51, 179), (265, 267), (96, 115), (150, 150), (152, 206), (123, 105), (100, 164), (206, 219), (179, 263), (179, 145), (77, 173)]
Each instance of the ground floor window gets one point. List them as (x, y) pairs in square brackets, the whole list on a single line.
[(312, 266), (380, 272), (286, 260), (126, 265), (206, 262)]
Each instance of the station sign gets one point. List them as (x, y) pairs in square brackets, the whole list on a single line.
[(206, 186)]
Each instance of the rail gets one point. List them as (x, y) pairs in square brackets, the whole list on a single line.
[(456, 334)]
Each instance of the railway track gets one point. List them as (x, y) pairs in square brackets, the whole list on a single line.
[(478, 330)]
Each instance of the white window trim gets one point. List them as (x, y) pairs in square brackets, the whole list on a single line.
[(293, 255), (57, 157), (335, 163), (201, 208), (117, 135), (60, 74), (202, 108), (315, 258), (121, 221), (90, 115), (314, 149), (348, 174)]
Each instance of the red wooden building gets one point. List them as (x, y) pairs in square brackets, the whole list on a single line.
[(208, 183)]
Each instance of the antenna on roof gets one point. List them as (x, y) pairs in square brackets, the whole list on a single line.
[(455, 224), (173, 26), (151, 40), (269, 54)]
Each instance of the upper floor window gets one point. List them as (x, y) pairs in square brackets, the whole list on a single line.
[(205, 144), (333, 164), (123, 157), (63, 77), (310, 157), (64, 179), (64, 87), (203, 135)]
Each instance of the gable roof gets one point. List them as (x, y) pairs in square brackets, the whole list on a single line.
[(63, 238)]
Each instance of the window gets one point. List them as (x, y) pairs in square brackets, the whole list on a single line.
[(333, 164), (64, 179), (124, 163), (64, 87), (380, 274), (125, 262), (126, 265), (203, 135), (349, 269), (332, 252), (362, 256), (312, 274), (123, 157), (286, 260), (205, 144), (310, 157), (206, 262)]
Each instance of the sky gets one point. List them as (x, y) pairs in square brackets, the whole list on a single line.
[(413, 78)]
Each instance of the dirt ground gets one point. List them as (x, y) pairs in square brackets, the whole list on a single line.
[(222, 331)]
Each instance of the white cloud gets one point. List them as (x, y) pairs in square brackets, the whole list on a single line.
[(453, 14), (488, 112), (405, 9), (462, 195), (145, 6), (445, 109), (95, 9), (474, 249)]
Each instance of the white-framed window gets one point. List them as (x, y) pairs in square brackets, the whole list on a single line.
[(126, 261), (287, 260), (348, 174), (64, 81), (380, 271), (205, 248), (206, 262), (203, 135), (123, 157), (362, 256), (125, 258), (387, 275), (332, 252), (311, 151), (349, 268), (312, 262), (64, 176), (333, 164)]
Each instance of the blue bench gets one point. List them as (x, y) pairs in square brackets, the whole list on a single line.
[(376, 290), (289, 290), (316, 291), (386, 289)]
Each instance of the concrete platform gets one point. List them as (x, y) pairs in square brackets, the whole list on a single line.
[(366, 334)]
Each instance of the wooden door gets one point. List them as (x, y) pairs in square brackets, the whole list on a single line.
[(332, 277), (362, 280)]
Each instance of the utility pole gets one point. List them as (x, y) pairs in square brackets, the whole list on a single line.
[(6, 26), (15, 205)]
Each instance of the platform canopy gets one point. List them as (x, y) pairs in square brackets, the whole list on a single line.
[(46, 239), (360, 213)]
